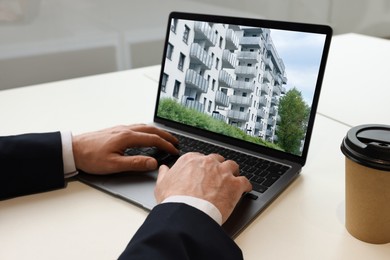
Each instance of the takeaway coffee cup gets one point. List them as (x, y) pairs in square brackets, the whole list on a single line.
[(367, 182)]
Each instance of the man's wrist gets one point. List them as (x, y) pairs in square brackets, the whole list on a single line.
[(67, 154), (203, 205)]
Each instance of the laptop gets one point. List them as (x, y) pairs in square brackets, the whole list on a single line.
[(245, 88)]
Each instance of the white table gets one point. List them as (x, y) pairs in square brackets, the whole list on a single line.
[(305, 222)]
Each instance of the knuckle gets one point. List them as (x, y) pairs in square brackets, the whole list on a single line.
[(120, 128)]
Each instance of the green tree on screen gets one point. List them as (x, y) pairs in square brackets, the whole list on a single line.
[(294, 113)]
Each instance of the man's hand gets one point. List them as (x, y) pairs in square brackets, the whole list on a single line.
[(207, 177), (101, 152)]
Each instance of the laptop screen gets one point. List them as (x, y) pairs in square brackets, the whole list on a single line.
[(251, 80)]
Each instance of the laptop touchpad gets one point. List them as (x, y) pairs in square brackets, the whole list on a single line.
[(137, 188)]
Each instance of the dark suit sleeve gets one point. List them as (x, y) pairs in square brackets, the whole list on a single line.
[(179, 231), (30, 163)]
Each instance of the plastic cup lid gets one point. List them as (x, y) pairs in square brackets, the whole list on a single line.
[(368, 145)]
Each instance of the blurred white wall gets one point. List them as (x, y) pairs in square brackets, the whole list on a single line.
[(49, 40), (371, 17)]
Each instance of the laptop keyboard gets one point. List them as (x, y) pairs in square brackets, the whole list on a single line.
[(261, 173)]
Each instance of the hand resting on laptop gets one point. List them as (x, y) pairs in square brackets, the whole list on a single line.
[(101, 152), (208, 177)]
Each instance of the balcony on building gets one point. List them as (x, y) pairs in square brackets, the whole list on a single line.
[(225, 79), (250, 29), (269, 133), (229, 59), (275, 101), (253, 42), (237, 115), (263, 101), (273, 110), (221, 99), (245, 71), (284, 79), (244, 86), (265, 87), (259, 126), (273, 54), (232, 40), (282, 90), (191, 103), (278, 79), (271, 121), (240, 100), (252, 36), (204, 33), (276, 90), (195, 81), (263, 113), (281, 65), (268, 64), (218, 116), (267, 76), (200, 57), (249, 56)]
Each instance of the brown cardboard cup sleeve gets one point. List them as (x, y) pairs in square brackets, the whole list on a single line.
[(367, 182)]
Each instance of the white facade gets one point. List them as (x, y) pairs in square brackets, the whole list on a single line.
[(229, 72)]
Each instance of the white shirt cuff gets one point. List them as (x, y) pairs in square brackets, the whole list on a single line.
[(201, 204), (67, 154)]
